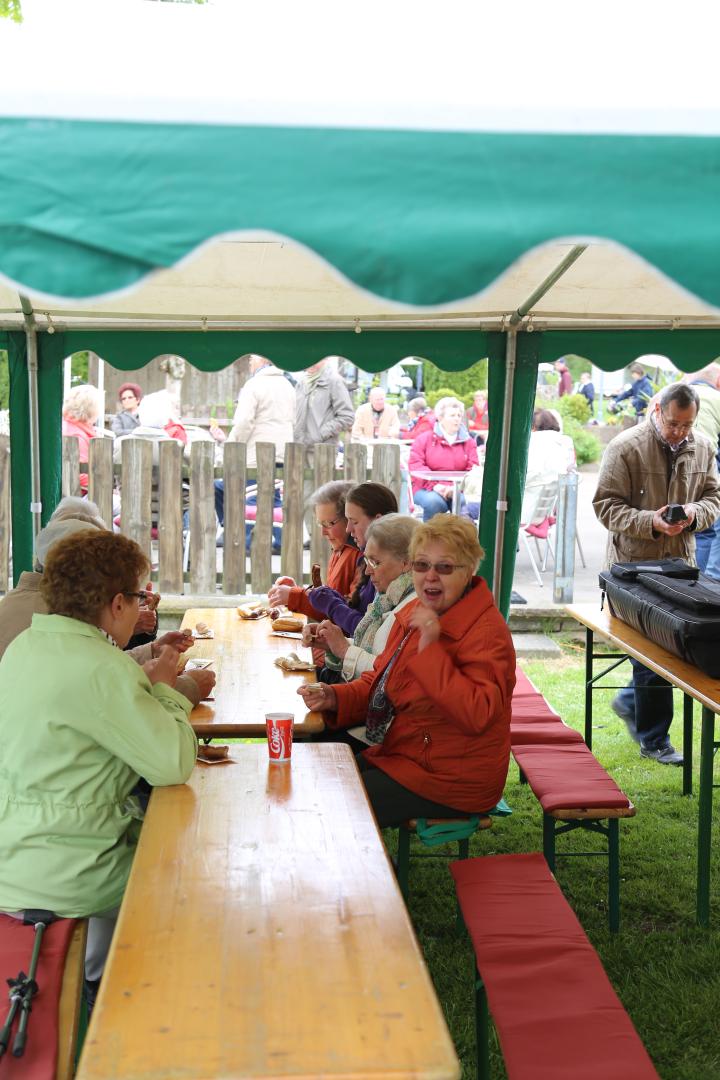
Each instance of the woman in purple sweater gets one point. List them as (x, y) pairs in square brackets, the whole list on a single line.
[(363, 504)]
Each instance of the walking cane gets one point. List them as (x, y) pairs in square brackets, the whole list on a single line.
[(24, 987)]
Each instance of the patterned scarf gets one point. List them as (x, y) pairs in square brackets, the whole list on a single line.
[(372, 620)]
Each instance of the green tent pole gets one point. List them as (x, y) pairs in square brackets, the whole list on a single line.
[(22, 537), (50, 395)]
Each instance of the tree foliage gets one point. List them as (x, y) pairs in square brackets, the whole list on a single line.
[(10, 9), (461, 384), (4, 381)]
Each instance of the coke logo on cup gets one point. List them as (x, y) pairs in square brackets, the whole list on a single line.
[(279, 735)]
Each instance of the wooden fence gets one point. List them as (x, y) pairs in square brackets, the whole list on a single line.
[(154, 498)]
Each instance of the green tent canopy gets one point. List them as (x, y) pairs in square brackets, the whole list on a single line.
[(210, 180)]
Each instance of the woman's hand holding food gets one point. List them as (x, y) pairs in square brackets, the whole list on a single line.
[(176, 639), (331, 637), (164, 668), (318, 697), (279, 594), (427, 624), (205, 679), (309, 633)]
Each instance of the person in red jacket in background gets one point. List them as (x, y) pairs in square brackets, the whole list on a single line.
[(477, 416), (329, 505), (437, 703), (565, 382), (420, 418)]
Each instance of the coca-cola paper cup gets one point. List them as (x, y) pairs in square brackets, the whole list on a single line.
[(279, 736)]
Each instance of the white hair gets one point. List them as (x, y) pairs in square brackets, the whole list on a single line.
[(84, 403), (446, 403)]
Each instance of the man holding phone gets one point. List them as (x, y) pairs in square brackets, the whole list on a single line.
[(658, 484)]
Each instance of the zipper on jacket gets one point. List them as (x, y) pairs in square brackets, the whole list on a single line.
[(427, 743)]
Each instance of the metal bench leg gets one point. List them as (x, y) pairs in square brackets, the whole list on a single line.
[(614, 874), (687, 744), (549, 841), (482, 1029), (463, 853), (403, 860)]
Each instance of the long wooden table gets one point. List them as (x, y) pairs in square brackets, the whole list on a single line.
[(248, 683), (695, 687), (263, 934)]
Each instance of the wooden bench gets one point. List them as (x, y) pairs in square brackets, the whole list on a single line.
[(57, 1004), (555, 1012), (572, 787)]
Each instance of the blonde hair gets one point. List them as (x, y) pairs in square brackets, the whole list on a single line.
[(84, 403), (457, 534)]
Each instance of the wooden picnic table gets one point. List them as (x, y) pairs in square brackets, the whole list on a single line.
[(694, 685), (248, 683), (263, 935)]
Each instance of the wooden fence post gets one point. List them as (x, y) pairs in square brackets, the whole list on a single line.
[(70, 466), (170, 518), (100, 481), (203, 526), (136, 491), (235, 478), (355, 463), (323, 472), (386, 467), (261, 544), (291, 562)]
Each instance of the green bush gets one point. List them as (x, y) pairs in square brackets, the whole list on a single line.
[(587, 447), (459, 384), (433, 396), (574, 407)]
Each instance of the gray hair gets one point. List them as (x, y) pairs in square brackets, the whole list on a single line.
[(416, 403), (446, 403), (683, 395), (72, 506), (83, 403), (393, 533), (333, 493)]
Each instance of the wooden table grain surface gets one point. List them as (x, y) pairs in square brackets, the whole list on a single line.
[(248, 683), (263, 935)]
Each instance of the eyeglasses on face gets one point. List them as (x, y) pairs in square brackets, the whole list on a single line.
[(142, 596), (372, 564), (673, 425), (423, 566), (330, 524)]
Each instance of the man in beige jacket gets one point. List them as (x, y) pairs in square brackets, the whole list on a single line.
[(658, 462), (376, 419)]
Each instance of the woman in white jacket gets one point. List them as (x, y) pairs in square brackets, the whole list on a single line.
[(387, 559), (550, 454)]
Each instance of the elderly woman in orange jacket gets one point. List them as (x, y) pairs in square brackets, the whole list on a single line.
[(437, 703)]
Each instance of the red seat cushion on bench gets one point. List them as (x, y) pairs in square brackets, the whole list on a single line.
[(555, 1011), (536, 732), (531, 709), (39, 1062), (567, 776), (523, 686)]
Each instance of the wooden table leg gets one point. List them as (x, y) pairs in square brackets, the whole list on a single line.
[(707, 746)]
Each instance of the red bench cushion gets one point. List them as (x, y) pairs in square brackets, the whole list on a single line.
[(556, 1014), (567, 776), (39, 1062), (532, 708), (553, 731)]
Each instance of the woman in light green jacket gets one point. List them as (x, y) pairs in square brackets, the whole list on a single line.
[(80, 722)]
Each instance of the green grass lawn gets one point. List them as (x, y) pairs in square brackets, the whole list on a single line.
[(665, 970)]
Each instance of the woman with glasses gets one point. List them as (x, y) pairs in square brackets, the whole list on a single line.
[(329, 506), (437, 703), (387, 564), (364, 503), (126, 419), (449, 447), (77, 739)]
